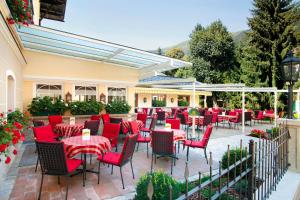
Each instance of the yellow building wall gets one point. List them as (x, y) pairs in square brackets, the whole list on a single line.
[(43, 65), (141, 102), (130, 98), (169, 103)]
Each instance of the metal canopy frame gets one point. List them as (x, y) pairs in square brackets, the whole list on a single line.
[(192, 84), (57, 42)]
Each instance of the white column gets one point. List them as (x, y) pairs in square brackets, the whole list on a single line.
[(205, 105), (275, 107), (243, 110), (194, 105)]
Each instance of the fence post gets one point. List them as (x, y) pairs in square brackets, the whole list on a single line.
[(251, 167)]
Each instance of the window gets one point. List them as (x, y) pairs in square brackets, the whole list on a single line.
[(159, 100), (52, 91), (85, 93), (116, 94)]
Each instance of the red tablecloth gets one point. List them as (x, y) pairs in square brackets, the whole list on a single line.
[(227, 117), (96, 145), (178, 134), (67, 130), (269, 115), (198, 120), (126, 125)]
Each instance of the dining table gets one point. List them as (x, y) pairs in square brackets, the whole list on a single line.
[(126, 125), (97, 145), (178, 134), (68, 130)]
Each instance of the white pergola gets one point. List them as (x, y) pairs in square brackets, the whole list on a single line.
[(192, 84)]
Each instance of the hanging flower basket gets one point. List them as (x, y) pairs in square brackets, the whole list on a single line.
[(20, 11)]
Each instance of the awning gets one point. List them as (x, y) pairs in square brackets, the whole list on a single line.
[(48, 40), (141, 90)]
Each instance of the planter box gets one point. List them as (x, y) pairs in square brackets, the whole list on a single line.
[(4, 168)]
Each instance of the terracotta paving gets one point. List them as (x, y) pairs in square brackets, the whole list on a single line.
[(27, 181)]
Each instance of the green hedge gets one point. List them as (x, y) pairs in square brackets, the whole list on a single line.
[(158, 103), (183, 103), (118, 107), (47, 106), (85, 107)]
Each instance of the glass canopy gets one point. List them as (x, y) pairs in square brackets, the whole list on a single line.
[(63, 43)]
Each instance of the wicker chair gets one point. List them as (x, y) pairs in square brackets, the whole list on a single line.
[(248, 117), (163, 146), (206, 121), (105, 118), (161, 116), (142, 117), (259, 117), (38, 123), (202, 144), (151, 127), (134, 129), (95, 117), (111, 131), (43, 133), (54, 120), (93, 125), (120, 159), (55, 163)]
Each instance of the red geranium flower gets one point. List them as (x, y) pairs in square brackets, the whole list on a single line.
[(15, 152), (1, 114), (15, 140), (18, 125), (23, 137), (7, 129), (8, 159), (2, 148)]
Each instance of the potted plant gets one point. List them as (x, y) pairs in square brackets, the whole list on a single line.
[(183, 103), (158, 103), (46, 106), (258, 133), (85, 107)]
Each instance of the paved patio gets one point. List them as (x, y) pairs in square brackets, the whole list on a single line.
[(23, 182)]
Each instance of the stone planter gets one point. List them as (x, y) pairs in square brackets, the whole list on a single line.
[(4, 168)]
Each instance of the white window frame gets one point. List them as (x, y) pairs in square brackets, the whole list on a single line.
[(126, 92), (34, 93), (85, 85)]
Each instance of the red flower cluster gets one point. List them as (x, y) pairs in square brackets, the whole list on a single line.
[(3, 147), (21, 13), (8, 159), (258, 132)]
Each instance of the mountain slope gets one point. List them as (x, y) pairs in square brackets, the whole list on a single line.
[(237, 37)]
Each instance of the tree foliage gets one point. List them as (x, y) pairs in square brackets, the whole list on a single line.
[(212, 52), (176, 53), (273, 34)]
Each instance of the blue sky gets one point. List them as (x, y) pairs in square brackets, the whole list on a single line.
[(148, 24)]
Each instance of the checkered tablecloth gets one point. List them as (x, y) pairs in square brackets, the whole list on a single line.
[(96, 145), (198, 120), (126, 126), (67, 130)]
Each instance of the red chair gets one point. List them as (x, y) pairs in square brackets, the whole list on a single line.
[(54, 162), (141, 139), (37, 123), (236, 121), (43, 134), (145, 111), (111, 131), (151, 127), (93, 125), (184, 120), (163, 146), (96, 117), (202, 144), (54, 120), (161, 116), (142, 117), (215, 118), (120, 159), (175, 123), (105, 118), (232, 113), (259, 117)]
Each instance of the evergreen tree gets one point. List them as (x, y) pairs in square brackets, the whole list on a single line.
[(272, 33), (159, 51)]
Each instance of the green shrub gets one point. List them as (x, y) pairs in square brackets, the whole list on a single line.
[(158, 103), (117, 107), (183, 103), (161, 183), (85, 107), (46, 106), (231, 161), (18, 116)]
